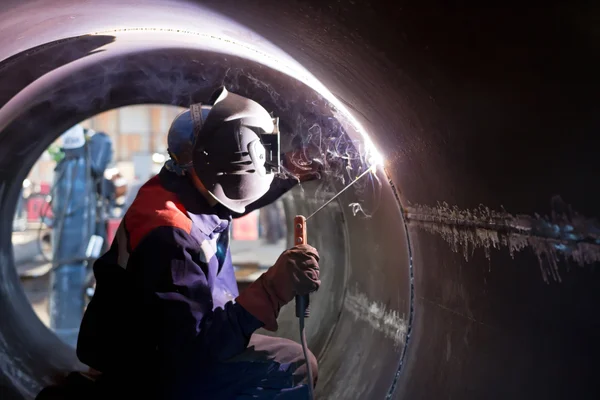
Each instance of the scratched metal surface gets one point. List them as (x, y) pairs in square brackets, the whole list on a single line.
[(472, 106)]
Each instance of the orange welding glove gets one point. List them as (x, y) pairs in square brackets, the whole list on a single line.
[(296, 272)]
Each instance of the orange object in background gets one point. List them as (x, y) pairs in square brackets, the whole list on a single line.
[(246, 228)]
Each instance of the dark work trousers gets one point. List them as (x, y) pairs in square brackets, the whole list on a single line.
[(270, 368)]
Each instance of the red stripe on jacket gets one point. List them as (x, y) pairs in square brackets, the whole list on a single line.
[(154, 207)]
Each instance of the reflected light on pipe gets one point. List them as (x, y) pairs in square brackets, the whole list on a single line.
[(374, 158), (259, 50)]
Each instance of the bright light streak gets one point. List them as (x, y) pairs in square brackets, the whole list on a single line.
[(374, 158), (258, 49)]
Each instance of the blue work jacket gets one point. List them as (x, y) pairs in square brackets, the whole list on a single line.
[(165, 290)]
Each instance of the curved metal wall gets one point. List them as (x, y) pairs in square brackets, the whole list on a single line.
[(487, 117)]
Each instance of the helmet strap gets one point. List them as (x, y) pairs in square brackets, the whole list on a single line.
[(196, 114)]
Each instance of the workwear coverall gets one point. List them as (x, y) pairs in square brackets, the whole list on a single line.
[(162, 322)]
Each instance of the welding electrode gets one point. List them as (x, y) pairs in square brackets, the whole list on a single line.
[(303, 302)]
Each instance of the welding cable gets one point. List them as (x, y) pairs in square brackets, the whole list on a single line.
[(309, 374)]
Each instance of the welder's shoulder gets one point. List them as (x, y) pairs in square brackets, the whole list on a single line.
[(155, 210)]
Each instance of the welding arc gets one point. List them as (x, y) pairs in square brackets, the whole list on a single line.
[(341, 191)]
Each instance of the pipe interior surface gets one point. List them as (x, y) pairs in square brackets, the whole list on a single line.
[(473, 278)]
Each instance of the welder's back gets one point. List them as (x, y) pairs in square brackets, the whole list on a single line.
[(118, 331)]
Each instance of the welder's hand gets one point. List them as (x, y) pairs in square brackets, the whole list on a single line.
[(296, 272)]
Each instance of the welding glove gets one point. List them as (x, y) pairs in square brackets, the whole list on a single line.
[(296, 272)]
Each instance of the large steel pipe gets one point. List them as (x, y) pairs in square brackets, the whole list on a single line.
[(473, 275)]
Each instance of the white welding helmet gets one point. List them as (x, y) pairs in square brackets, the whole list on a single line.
[(236, 151), (74, 138)]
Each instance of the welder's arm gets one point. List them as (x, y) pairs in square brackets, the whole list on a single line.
[(187, 327)]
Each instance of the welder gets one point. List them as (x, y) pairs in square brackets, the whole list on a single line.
[(166, 319)]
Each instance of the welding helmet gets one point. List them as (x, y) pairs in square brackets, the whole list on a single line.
[(236, 151)]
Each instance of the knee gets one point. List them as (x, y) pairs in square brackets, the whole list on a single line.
[(286, 351), (301, 373)]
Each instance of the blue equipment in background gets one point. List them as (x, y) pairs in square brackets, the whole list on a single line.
[(79, 228)]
